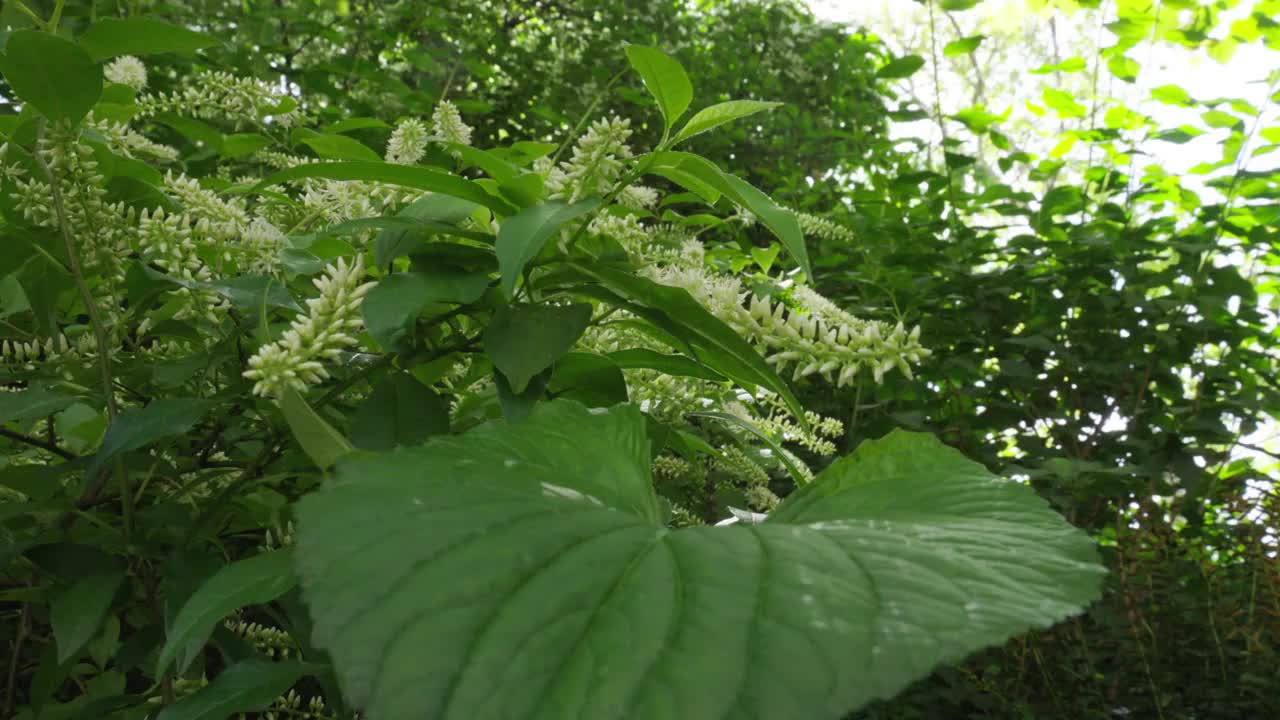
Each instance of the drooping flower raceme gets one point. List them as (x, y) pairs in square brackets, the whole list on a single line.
[(826, 341), (296, 360), (123, 141), (127, 70), (821, 227), (218, 217), (215, 95), (169, 242)]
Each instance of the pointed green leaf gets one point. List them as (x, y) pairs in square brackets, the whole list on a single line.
[(433, 212), (243, 144), (393, 305), (523, 340), (1172, 95), (902, 67), (716, 344), (522, 236), (1124, 68), (246, 687), (113, 37), (782, 223), (392, 174), (318, 439), (664, 78), (56, 76), (399, 411), (257, 580), (666, 363), (340, 147), (507, 573), (78, 612), (31, 404), (133, 429), (591, 379), (719, 114), (963, 46)]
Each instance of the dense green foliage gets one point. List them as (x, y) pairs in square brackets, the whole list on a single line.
[(373, 298)]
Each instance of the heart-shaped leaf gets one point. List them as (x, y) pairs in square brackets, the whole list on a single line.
[(517, 571)]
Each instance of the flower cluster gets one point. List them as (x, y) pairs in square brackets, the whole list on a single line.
[(270, 641), (295, 360), (291, 706), (222, 218), (127, 70), (167, 241), (821, 227), (408, 142), (262, 245), (128, 143), (447, 125), (99, 226), (638, 197), (596, 162), (818, 338), (215, 95), (51, 350)]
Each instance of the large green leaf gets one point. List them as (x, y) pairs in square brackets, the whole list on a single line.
[(432, 212), (393, 174), (963, 46), (703, 177), (719, 114), (393, 305), (902, 67), (517, 571), (340, 147), (318, 439), (523, 235), (111, 37), (56, 76), (259, 579), (247, 686), (664, 78), (400, 411), (666, 363), (79, 611), (716, 344), (32, 404), (133, 429), (523, 340)]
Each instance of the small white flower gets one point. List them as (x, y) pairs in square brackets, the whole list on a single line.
[(127, 70)]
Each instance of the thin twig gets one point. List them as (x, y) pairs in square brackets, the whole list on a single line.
[(24, 621), (45, 445)]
